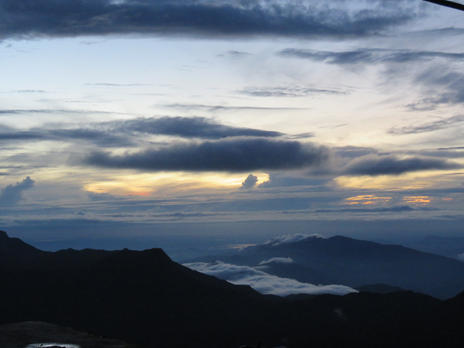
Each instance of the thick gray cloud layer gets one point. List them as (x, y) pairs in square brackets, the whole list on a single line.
[(39, 18), (390, 165), (227, 155), (12, 194)]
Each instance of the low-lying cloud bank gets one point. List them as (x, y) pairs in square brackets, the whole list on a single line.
[(263, 282)]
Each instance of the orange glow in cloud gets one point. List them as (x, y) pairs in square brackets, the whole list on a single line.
[(447, 199), (417, 199), (366, 200)]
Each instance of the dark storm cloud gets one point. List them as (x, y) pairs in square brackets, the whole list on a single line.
[(12, 194), (187, 127), (429, 127), (390, 165), (368, 56), (227, 155), (58, 18), (289, 91)]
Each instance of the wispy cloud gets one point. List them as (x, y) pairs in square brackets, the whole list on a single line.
[(369, 55), (216, 108), (429, 127), (187, 127), (292, 92)]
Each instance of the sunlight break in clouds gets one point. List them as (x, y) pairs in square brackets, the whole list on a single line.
[(417, 199), (367, 200), (264, 282), (175, 182)]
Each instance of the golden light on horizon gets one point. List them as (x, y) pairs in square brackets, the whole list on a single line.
[(145, 185)]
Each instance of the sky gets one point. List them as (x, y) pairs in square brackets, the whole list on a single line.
[(218, 121)]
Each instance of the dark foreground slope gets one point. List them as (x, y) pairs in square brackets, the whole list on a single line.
[(147, 299), (356, 263), (19, 335)]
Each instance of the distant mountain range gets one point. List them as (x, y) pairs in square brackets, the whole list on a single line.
[(354, 263), (143, 297)]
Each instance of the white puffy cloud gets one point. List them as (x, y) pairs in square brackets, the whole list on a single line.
[(263, 282), (277, 260)]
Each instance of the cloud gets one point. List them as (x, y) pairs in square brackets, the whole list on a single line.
[(12, 194), (442, 84), (235, 54), (394, 209), (128, 132), (235, 155), (187, 127), (428, 127), (461, 257), (285, 260), (216, 108), (369, 56), (264, 282), (51, 111), (391, 165), (98, 137), (250, 182), (292, 238), (288, 91), (54, 18)]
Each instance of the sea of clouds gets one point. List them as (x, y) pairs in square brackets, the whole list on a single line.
[(263, 282)]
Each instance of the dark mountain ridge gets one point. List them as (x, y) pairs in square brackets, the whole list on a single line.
[(145, 298)]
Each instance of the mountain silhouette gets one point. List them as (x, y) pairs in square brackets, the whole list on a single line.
[(356, 263), (143, 297)]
